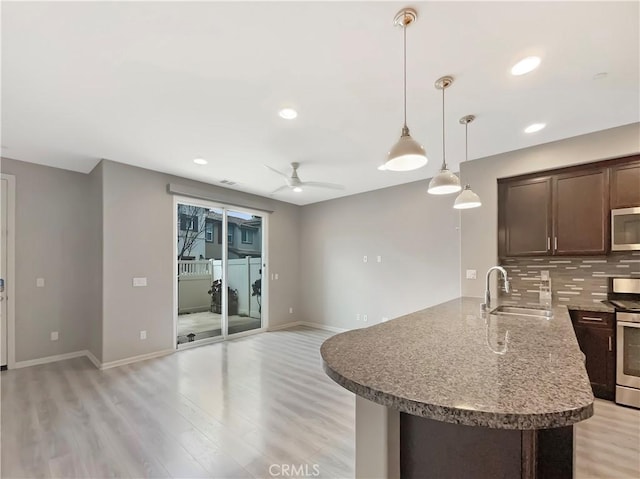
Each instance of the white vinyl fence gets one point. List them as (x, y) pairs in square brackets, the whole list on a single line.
[(195, 279)]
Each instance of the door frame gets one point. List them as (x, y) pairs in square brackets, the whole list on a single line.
[(264, 286), (11, 268)]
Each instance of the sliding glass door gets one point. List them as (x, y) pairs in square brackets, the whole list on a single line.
[(244, 267), (220, 260)]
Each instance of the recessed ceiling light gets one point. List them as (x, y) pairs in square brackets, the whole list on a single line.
[(525, 66), (297, 189), (200, 161), (534, 127), (288, 113)]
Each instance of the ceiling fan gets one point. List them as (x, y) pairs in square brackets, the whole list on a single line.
[(294, 182)]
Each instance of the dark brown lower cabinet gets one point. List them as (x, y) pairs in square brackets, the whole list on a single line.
[(434, 449), (595, 332)]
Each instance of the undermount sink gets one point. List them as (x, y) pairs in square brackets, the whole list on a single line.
[(523, 311)]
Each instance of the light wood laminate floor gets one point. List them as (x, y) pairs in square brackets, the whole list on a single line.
[(226, 410)]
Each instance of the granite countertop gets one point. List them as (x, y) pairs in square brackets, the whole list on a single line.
[(601, 306), (451, 363)]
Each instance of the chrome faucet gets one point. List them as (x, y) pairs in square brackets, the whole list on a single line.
[(487, 294)]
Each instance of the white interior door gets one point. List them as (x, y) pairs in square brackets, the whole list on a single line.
[(4, 200)]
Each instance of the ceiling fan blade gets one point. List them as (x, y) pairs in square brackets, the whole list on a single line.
[(284, 175), (318, 184), (277, 190)]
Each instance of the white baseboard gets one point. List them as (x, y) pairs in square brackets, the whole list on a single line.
[(324, 327), (135, 359), (308, 324), (48, 359), (284, 326), (96, 362)]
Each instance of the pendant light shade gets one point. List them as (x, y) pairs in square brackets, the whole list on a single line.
[(445, 182), (407, 154), (467, 199)]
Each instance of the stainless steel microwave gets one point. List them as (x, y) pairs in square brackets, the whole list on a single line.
[(625, 229)]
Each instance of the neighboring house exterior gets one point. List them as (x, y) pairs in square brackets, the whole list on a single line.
[(204, 229)]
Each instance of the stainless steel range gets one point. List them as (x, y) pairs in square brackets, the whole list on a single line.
[(624, 295)]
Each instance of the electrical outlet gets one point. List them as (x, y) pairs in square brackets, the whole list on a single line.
[(276, 276), (139, 282), (364, 318), (54, 335), (39, 282), (358, 317), (379, 259), (143, 334), (365, 259), (471, 274), (290, 310)]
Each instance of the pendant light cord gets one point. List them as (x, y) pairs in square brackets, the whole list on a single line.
[(444, 163), (466, 141), (404, 46)]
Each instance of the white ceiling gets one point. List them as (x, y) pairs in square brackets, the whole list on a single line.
[(158, 84)]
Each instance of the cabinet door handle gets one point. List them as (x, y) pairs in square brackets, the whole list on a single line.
[(610, 344), (592, 318), (548, 243), (555, 243)]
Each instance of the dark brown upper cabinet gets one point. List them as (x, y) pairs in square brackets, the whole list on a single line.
[(565, 211), (581, 212), (524, 209), (625, 185)]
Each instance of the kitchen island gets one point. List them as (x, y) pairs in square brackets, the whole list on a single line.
[(450, 391)]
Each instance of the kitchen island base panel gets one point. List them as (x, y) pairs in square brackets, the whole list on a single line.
[(377, 440), (430, 448)]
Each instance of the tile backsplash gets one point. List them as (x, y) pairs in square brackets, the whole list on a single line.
[(581, 279)]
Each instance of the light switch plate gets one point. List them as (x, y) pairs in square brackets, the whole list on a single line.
[(143, 334), (39, 282), (54, 335), (139, 282), (471, 274)]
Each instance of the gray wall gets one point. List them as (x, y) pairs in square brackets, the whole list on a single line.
[(139, 241), (89, 235), (52, 213), (480, 226), (415, 234)]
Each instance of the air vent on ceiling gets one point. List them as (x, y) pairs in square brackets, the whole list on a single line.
[(227, 182)]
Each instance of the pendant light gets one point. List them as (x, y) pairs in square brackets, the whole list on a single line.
[(407, 154), (467, 199), (445, 182)]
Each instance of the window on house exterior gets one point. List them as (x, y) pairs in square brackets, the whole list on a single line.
[(208, 232), (188, 222), (230, 234), (247, 236)]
